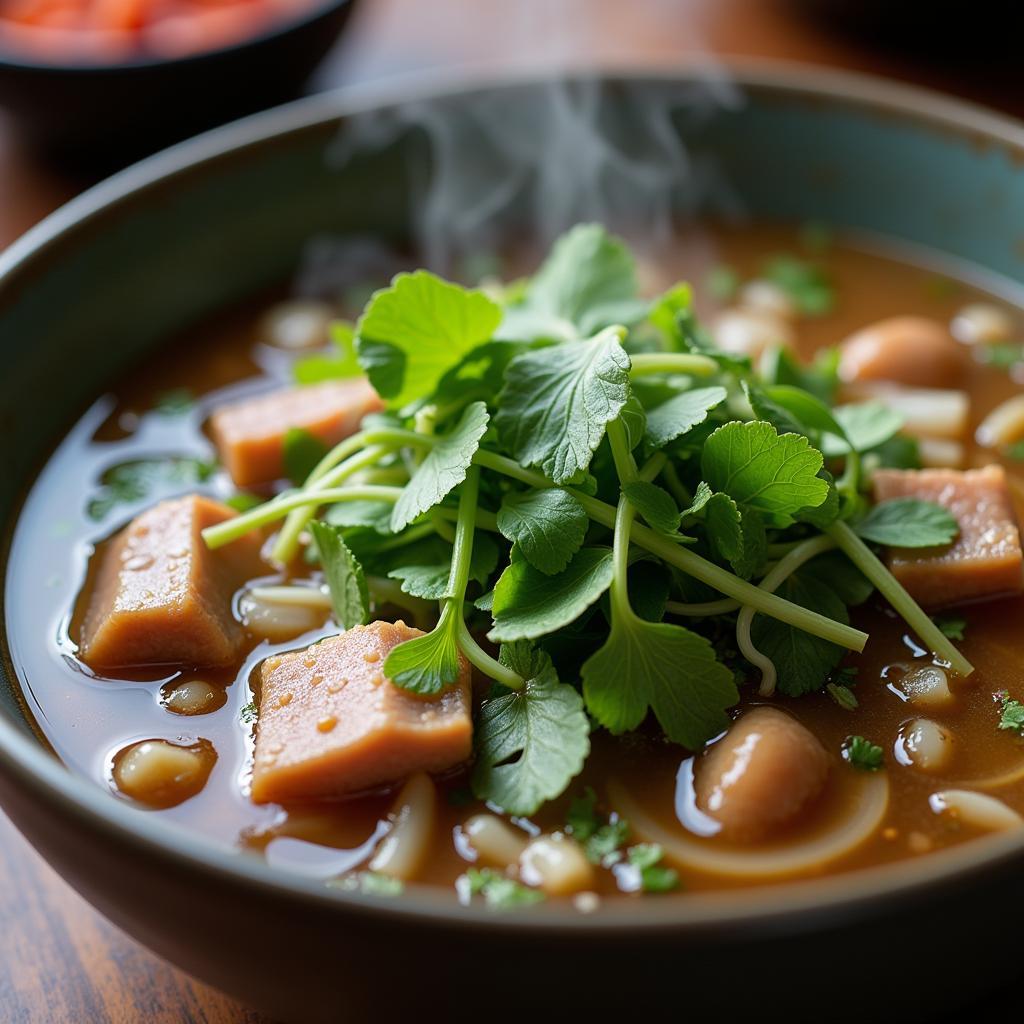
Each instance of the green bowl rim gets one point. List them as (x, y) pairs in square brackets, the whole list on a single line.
[(796, 906)]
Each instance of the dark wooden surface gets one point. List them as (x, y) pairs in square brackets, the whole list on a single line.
[(59, 960)]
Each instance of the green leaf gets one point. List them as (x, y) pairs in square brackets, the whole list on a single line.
[(557, 402), (666, 668), (350, 597), (530, 743), (841, 576), (792, 409), (723, 525), (654, 876), (302, 451), (807, 284), (430, 581), (760, 468), (131, 482), (909, 523), (530, 604), (866, 425), (345, 363), (443, 469), (374, 514), (862, 754), (665, 311), (548, 526), (654, 504), (634, 419), (1011, 715), (802, 661), (369, 883), (755, 545), (681, 414), (953, 626), (430, 663), (587, 283), (176, 402), (415, 330), (499, 891)]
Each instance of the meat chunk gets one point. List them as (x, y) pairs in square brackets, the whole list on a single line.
[(760, 775), (984, 560), (330, 723), (162, 597), (250, 434), (910, 350)]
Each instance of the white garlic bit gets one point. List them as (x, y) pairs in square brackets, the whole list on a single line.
[(975, 809), (982, 323), (404, 849), (924, 745), (1003, 425), (556, 864)]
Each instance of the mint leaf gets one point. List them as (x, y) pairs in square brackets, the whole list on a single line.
[(443, 469), (760, 468), (681, 414), (415, 330), (909, 523), (345, 363), (430, 663), (866, 426), (557, 402), (350, 597), (530, 604), (654, 504), (802, 661), (499, 891), (587, 283), (530, 743), (548, 526), (862, 754), (663, 667)]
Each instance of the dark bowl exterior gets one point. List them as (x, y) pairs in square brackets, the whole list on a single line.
[(164, 243), (104, 116)]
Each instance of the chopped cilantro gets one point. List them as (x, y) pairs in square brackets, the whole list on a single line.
[(862, 754), (952, 626), (1015, 451), (842, 695), (132, 482), (500, 891), (243, 501), (1003, 355), (1012, 714), (175, 402), (805, 283), (248, 713), (654, 876), (369, 883)]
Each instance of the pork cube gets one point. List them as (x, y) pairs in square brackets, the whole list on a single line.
[(331, 724), (250, 434), (984, 560), (162, 597)]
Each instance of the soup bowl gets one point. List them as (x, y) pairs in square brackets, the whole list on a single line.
[(98, 284)]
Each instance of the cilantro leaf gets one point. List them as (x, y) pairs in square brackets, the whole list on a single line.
[(557, 402), (443, 469), (865, 424), (604, 846), (666, 668), (655, 504), (430, 663), (681, 414), (582, 819), (654, 876), (802, 661), (498, 890), (302, 451), (1012, 715), (530, 743), (862, 754), (530, 604), (909, 523), (369, 883), (344, 363), (587, 283), (548, 526), (415, 330), (350, 597), (760, 468)]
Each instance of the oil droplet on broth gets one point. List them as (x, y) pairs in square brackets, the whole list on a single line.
[(327, 723), (371, 656), (284, 699)]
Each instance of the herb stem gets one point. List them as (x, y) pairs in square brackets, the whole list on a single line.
[(703, 609), (387, 591), (619, 592), (625, 464), (491, 667), (892, 590), (672, 362)]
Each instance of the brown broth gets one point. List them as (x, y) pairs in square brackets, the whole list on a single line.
[(88, 719)]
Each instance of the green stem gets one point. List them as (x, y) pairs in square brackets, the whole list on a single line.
[(675, 486), (892, 590), (672, 362), (625, 464), (619, 593), (700, 568), (386, 591), (704, 609), (490, 667)]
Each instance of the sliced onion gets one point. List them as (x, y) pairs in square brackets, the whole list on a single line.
[(977, 809), (870, 805), (495, 841), (1014, 775), (405, 847)]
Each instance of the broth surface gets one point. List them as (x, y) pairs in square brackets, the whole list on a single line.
[(88, 719)]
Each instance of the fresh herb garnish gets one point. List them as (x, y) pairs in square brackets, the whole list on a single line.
[(862, 754), (302, 451), (175, 402), (952, 626), (805, 283), (722, 282), (637, 518), (369, 883), (1011, 714), (499, 891), (247, 713), (654, 876), (132, 482), (909, 523), (342, 363)]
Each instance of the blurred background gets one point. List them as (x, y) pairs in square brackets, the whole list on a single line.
[(87, 86)]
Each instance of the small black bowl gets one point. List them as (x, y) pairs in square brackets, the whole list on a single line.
[(102, 116)]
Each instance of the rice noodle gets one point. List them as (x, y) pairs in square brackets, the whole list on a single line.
[(870, 805), (405, 847)]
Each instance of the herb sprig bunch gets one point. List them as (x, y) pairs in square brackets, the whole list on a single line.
[(638, 519)]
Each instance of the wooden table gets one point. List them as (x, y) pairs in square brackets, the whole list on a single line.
[(59, 960)]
